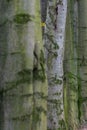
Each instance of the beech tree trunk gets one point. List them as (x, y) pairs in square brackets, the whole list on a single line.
[(23, 81)]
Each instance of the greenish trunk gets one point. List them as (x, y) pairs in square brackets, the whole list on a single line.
[(23, 87), (82, 64), (70, 68), (40, 82)]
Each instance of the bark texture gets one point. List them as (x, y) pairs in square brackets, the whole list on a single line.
[(55, 34), (70, 67), (82, 53), (23, 85)]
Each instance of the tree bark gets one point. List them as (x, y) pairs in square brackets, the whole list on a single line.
[(55, 34), (70, 67), (23, 80), (82, 53)]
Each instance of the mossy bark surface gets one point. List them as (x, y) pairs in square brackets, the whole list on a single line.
[(55, 34), (82, 64), (70, 68), (22, 61), (39, 80)]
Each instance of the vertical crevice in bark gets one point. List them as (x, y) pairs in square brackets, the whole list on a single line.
[(39, 76), (43, 14)]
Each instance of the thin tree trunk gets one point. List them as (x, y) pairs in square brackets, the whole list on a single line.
[(70, 67), (82, 53)]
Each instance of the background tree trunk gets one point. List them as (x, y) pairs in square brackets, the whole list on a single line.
[(82, 53), (70, 67)]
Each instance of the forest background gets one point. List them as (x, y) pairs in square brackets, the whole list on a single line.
[(43, 65)]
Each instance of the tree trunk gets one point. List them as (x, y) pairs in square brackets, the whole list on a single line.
[(82, 53), (40, 82), (70, 67), (55, 34), (23, 80)]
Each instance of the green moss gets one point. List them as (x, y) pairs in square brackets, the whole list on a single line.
[(73, 87), (23, 76), (9, 0), (22, 117), (42, 62), (22, 18), (54, 101), (39, 74), (27, 95), (42, 59), (65, 106), (83, 99), (4, 22), (79, 102), (37, 114), (38, 95), (36, 117), (24, 72), (62, 125), (48, 129)]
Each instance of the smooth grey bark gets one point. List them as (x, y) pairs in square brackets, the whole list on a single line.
[(17, 108), (23, 85)]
